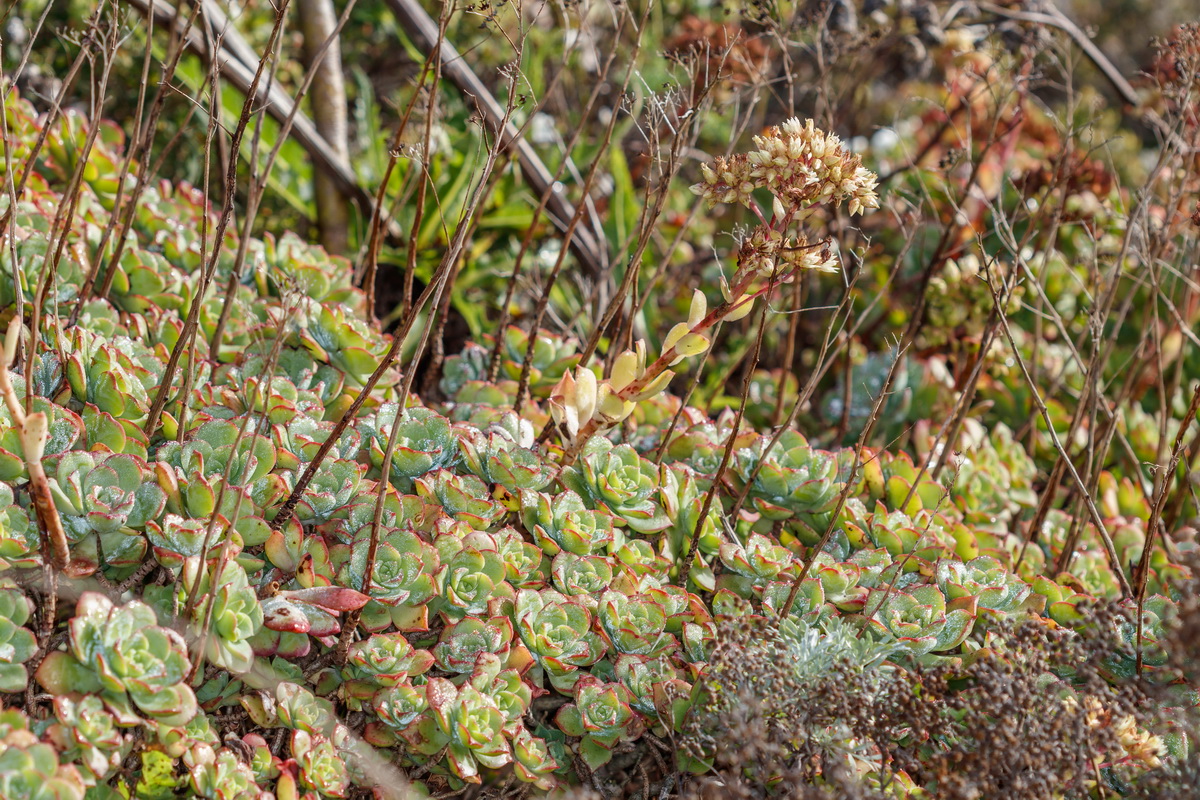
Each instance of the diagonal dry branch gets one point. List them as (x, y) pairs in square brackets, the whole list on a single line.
[(239, 71), (424, 32)]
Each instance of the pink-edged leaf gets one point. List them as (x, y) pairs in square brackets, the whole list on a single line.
[(440, 694), (333, 598), (280, 615), (321, 622)]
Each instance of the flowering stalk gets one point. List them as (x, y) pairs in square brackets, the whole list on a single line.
[(800, 167), (34, 430)]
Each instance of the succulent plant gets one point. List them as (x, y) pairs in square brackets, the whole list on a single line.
[(464, 497), (464, 722), (583, 577), (31, 769), (601, 717), (792, 479), (634, 624), (424, 443), (335, 338), (461, 643), (564, 523), (17, 644), (919, 619), (497, 456), (683, 500), (228, 609), (985, 579), (380, 661), (111, 375), (507, 565), (65, 429), (557, 631), (532, 761), (87, 734), (19, 537), (104, 494), (221, 775), (753, 564), (121, 654), (471, 574), (403, 573), (321, 768), (619, 481), (301, 710)]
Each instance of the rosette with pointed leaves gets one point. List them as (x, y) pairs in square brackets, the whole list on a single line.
[(299, 709), (1157, 614), (31, 770), (840, 582), (114, 375), (511, 694), (466, 724), (1062, 603), (793, 478), (402, 576), (298, 441), (220, 775), (643, 676), (461, 643), (321, 767), (532, 761), (87, 734), (109, 495), (471, 574), (564, 523), (683, 500), (995, 480), (228, 607), (984, 578), (601, 717), (20, 542), (918, 618), (464, 497), (557, 631), (336, 338), (618, 480), (424, 443), (17, 644), (215, 448), (522, 559), (399, 706), (332, 487), (64, 430), (634, 623), (120, 653), (582, 577), (383, 660), (497, 456), (754, 564)]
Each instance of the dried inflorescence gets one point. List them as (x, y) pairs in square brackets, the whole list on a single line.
[(799, 165)]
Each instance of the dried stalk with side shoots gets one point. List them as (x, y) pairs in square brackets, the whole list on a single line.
[(34, 431), (801, 167)]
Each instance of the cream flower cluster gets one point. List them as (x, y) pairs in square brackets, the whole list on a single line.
[(765, 251), (796, 162)]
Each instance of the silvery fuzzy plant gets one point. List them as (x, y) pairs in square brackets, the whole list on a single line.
[(800, 167)]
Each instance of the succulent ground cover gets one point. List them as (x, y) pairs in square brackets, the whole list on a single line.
[(252, 547)]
